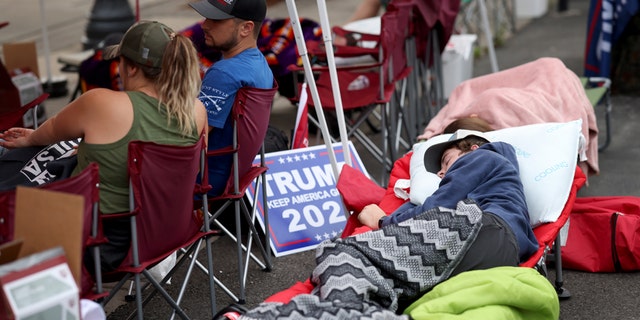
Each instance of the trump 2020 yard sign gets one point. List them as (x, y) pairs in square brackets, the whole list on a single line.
[(304, 206)]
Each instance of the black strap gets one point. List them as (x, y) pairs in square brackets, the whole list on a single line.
[(613, 222)]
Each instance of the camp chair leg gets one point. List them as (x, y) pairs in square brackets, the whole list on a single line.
[(254, 236), (158, 288), (130, 297), (598, 89), (562, 292), (187, 254), (607, 120), (541, 266), (215, 279)]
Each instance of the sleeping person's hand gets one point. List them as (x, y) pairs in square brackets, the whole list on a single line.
[(370, 215)]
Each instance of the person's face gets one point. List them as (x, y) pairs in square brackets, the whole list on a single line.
[(221, 35), (449, 157)]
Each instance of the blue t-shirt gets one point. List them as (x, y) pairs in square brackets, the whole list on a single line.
[(218, 92)]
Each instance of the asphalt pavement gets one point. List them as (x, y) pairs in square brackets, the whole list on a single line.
[(561, 35)]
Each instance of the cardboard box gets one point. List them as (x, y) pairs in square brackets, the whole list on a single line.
[(28, 85), (30, 88), (48, 219), (21, 55), (43, 282)]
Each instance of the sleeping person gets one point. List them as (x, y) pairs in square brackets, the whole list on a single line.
[(490, 177), (477, 219)]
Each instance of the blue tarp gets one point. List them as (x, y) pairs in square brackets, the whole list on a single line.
[(606, 23)]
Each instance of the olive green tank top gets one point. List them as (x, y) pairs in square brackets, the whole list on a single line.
[(149, 124)]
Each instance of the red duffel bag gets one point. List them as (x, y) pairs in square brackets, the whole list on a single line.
[(604, 235)]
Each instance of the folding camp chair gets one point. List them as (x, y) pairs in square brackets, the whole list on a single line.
[(431, 25), (492, 14), (250, 115), (355, 200), (162, 185), (368, 89), (598, 90), (11, 108), (86, 184), (549, 239)]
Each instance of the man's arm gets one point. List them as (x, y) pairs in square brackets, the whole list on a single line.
[(217, 93), (366, 9)]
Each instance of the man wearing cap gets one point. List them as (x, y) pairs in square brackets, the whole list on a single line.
[(473, 168), (232, 27)]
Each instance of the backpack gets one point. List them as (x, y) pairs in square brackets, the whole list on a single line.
[(603, 234), (275, 140)]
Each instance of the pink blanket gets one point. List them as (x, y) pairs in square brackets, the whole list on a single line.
[(540, 91)]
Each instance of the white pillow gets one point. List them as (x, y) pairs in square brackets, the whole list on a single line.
[(547, 155), (423, 183)]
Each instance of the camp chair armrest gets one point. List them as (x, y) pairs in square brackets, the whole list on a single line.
[(108, 216), (362, 36), (294, 67), (221, 151)]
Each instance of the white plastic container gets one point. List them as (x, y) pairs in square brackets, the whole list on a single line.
[(457, 61), (531, 8)]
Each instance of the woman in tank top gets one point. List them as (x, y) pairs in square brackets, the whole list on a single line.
[(160, 74)]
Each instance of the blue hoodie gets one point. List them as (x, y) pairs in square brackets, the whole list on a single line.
[(489, 175)]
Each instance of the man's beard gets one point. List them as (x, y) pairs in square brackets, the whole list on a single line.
[(228, 45)]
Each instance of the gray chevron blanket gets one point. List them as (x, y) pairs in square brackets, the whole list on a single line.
[(364, 276)]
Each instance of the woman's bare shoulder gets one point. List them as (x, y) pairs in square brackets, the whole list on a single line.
[(102, 93)]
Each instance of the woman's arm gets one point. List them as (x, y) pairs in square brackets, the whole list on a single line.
[(366, 9), (201, 120), (99, 112)]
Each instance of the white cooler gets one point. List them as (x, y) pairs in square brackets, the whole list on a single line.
[(457, 61)]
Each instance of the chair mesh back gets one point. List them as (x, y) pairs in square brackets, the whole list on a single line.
[(162, 181), (251, 110), (393, 34), (9, 94), (10, 98), (86, 185), (431, 15), (7, 215)]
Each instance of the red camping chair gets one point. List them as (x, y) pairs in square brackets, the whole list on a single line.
[(431, 25), (368, 90), (85, 184), (250, 114), (11, 109), (162, 184), (547, 234), (355, 200)]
